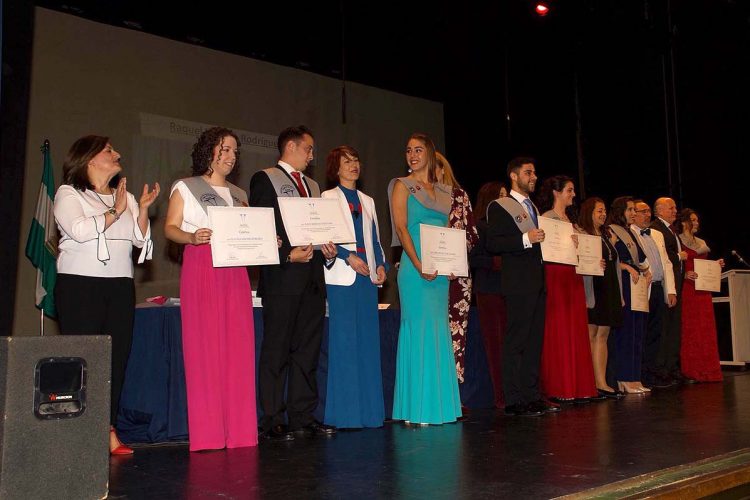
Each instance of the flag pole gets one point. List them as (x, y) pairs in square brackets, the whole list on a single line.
[(45, 152)]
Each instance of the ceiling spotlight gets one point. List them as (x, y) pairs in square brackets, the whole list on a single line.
[(541, 9)]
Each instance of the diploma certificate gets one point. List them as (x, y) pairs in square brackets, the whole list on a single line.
[(558, 246), (709, 275), (315, 220), (443, 249), (242, 236), (639, 294), (589, 255)]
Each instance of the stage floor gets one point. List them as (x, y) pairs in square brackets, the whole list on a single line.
[(487, 456)]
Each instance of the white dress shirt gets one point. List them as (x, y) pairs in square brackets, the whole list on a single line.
[(520, 199)]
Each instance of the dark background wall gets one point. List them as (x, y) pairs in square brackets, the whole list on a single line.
[(655, 90)]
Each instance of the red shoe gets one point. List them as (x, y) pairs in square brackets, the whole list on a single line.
[(121, 448)]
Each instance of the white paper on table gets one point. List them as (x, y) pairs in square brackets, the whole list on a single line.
[(558, 245), (589, 255), (443, 249), (709, 275), (639, 294), (242, 236), (315, 220)]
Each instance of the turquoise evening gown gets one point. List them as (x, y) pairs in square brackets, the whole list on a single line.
[(426, 383)]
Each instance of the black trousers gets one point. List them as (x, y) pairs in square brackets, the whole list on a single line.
[(522, 350), (657, 311), (668, 359), (292, 331), (669, 348), (99, 306)]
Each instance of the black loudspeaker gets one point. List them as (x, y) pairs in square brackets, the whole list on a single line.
[(54, 417)]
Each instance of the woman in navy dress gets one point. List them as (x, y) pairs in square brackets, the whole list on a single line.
[(628, 338), (355, 385)]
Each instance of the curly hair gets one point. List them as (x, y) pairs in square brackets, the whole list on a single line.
[(75, 167), (203, 150), (333, 161)]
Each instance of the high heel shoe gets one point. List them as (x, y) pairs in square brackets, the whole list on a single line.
[(628, 390), (121, 449)]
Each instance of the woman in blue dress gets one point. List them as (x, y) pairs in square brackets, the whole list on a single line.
[(627, 339), (426, 389), (354, 396)]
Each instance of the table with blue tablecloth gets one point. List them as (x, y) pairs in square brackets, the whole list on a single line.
[(153, 404)]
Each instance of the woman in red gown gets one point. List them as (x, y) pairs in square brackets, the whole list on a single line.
[(699, 351), (567, 372)]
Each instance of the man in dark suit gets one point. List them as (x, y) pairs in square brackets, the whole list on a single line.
[(668, 359), (293, 294), (513, 232)]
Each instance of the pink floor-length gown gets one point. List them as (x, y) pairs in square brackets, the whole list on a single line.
[(219, 352)]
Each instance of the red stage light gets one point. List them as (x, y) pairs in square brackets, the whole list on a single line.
[(542, 9)]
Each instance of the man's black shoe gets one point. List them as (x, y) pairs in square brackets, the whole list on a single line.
[(544, 406), (315, 428), (277, 433), (520, 410)]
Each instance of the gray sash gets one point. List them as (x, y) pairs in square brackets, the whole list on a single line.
[(627, 238), (284, 186), (441, 203), (515, 210), (207, 196)]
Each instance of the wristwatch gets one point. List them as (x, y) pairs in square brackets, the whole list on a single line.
[(113, 213)]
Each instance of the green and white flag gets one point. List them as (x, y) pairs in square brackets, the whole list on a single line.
[(41, 246)]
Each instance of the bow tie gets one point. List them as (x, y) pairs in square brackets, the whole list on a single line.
[(646, 231)]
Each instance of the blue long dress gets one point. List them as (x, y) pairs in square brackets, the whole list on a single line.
[(354, 396), (628, 338), (426, 384)]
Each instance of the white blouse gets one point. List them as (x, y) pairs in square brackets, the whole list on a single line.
[(193, 215), (87, 249)]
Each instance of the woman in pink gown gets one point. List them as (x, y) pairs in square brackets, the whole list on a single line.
[(216, 305), (699, 351)]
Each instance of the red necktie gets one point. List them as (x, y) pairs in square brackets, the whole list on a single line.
[(300, 186)]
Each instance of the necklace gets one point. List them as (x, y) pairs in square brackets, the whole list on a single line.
[(114, 199)]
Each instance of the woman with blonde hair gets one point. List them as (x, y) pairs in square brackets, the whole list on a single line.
[(459, 290)]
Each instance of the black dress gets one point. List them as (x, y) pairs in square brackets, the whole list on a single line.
[(607, 310)]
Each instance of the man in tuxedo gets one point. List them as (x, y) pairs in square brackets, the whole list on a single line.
[(294, 294), (513, 232), (668, 358), (663, 293)]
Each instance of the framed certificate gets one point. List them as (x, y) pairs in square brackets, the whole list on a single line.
[(443, 250), (315, 220), (558, 245), (709, 275), (589, 255), (242, 236)]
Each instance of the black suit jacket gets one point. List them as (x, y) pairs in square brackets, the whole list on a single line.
[(670, 243), (485, 273), (523, 272), (287, 278)]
